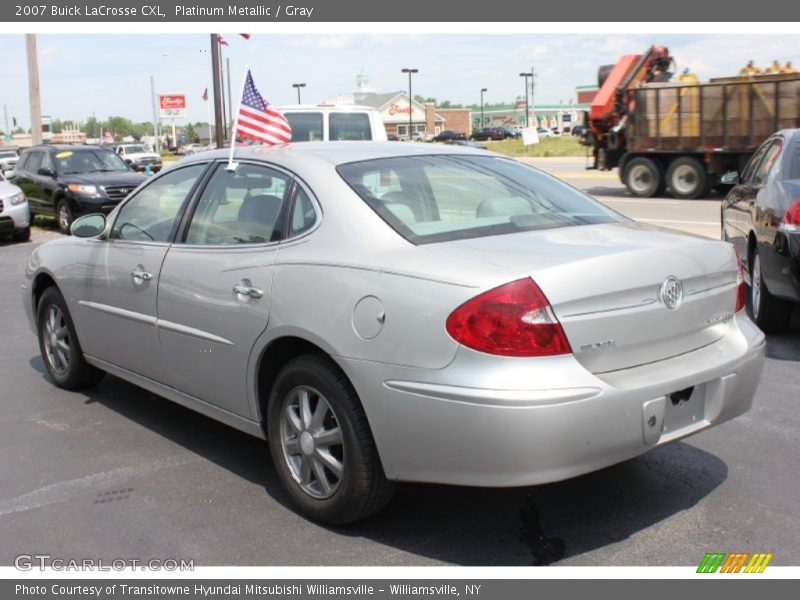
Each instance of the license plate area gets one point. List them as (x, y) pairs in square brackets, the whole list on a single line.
[(684, 411)]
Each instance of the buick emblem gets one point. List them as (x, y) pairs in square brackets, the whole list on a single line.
[(671, 292)]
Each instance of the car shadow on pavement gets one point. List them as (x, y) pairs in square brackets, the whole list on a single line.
[(786, 346), (539, 525)]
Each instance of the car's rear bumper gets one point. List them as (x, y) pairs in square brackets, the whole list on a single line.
[(490, 421)]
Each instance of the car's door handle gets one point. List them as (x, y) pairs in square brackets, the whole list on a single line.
[(139, 274), (245, 288)]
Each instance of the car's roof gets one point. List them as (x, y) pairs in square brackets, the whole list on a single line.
[(335, 153), (65, 147)]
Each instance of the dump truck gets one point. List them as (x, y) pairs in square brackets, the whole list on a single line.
[(663, 132)]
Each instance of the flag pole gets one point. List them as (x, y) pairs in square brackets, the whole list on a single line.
[(232, 165)]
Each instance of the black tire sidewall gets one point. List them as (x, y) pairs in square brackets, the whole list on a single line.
[(69, 215), (314, 372), (50, 297), (700, 172)]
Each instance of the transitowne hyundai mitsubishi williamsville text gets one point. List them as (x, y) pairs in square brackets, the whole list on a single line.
[(399, 312)]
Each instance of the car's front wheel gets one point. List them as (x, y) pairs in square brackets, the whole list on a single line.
[(63, 216), (59, 345), (322, 445)]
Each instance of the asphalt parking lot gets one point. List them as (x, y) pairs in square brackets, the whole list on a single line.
[(116, 472)]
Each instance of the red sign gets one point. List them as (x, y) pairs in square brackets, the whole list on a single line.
[(395, 109), (173, 101)]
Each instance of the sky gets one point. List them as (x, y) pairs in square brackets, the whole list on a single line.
[(107, 75)]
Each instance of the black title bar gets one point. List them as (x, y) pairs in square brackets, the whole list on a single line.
[(439, 11)]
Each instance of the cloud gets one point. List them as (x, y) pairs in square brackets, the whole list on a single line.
[(530, 52), (323, 42), (47, 51)]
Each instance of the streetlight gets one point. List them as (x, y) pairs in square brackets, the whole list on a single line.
[(483, 90), (298, 86), (410, 100), (526, 75)]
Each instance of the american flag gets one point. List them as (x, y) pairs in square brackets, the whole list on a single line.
[(258, 120)]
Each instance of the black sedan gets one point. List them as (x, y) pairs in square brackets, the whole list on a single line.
[(69, 181), (489, 133), (449, 135), (761, 217)]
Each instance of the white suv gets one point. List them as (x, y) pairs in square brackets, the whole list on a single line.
[(15, 215), (334, 123)]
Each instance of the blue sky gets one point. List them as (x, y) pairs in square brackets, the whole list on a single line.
[(109, 74)]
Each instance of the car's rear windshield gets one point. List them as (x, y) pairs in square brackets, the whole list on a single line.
[(448, 197)]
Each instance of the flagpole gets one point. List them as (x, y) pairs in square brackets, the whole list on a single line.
[(232, 165), (208, 111)]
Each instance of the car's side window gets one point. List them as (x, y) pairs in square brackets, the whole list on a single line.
[(22, 160), (768, 164), (240, 207), (303, 215), (749, 170), (150, 215), (34, 162), (47, 162)]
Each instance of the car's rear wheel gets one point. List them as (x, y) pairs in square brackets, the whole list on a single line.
[(63, 216), (687, 179), (59, 345), (771, 314), (321, 443)]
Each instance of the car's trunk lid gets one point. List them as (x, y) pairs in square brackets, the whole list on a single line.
[(604, 284)]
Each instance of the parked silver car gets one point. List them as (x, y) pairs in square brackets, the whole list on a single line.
[(384, 312), (15, 214)]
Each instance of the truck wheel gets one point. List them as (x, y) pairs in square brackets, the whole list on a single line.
[(643, 177), (686, 178), (771, 314)]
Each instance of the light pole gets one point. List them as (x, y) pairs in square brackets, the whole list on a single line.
[(410, 100), (298, 86), (483, 91), (526, 76)]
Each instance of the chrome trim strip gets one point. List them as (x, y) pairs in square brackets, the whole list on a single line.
[(192, 332), (119, 312)]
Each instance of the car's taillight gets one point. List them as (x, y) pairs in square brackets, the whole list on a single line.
[(514, 319), (791, 218), (740, 291)]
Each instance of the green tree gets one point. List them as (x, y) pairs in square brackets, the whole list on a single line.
[(191, 136), (119, 126), (91, 127)]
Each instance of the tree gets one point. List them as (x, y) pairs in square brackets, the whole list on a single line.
[(191, 137), (119, 126), (91, 127)]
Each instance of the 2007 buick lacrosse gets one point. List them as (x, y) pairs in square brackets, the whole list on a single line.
[(397, 312)]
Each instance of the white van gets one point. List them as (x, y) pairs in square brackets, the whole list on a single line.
[(334, 123)]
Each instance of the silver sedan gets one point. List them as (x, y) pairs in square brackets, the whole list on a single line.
[(382, 313)]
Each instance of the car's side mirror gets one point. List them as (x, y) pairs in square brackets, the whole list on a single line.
[(46, 172), (88, 225), (730, 178)]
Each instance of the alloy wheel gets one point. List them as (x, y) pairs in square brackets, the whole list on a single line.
[(312, 442), (56, 340)]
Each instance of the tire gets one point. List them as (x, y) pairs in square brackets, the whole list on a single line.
[(61, 351), (63, 216), (771, 314), (643, 177), (687, 179), (23, 235), (355, 486)]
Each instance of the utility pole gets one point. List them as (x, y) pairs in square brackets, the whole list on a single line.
[(5, 114), (33, 89), (218, 117), (533, 96), (527, 106), (155, 114), (230, 102), (222, 90)]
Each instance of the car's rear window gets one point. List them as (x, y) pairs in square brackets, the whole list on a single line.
[(445, 197), (349, 127), (306, 127)]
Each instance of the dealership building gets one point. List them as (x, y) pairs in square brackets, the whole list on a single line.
[(397, 110)]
